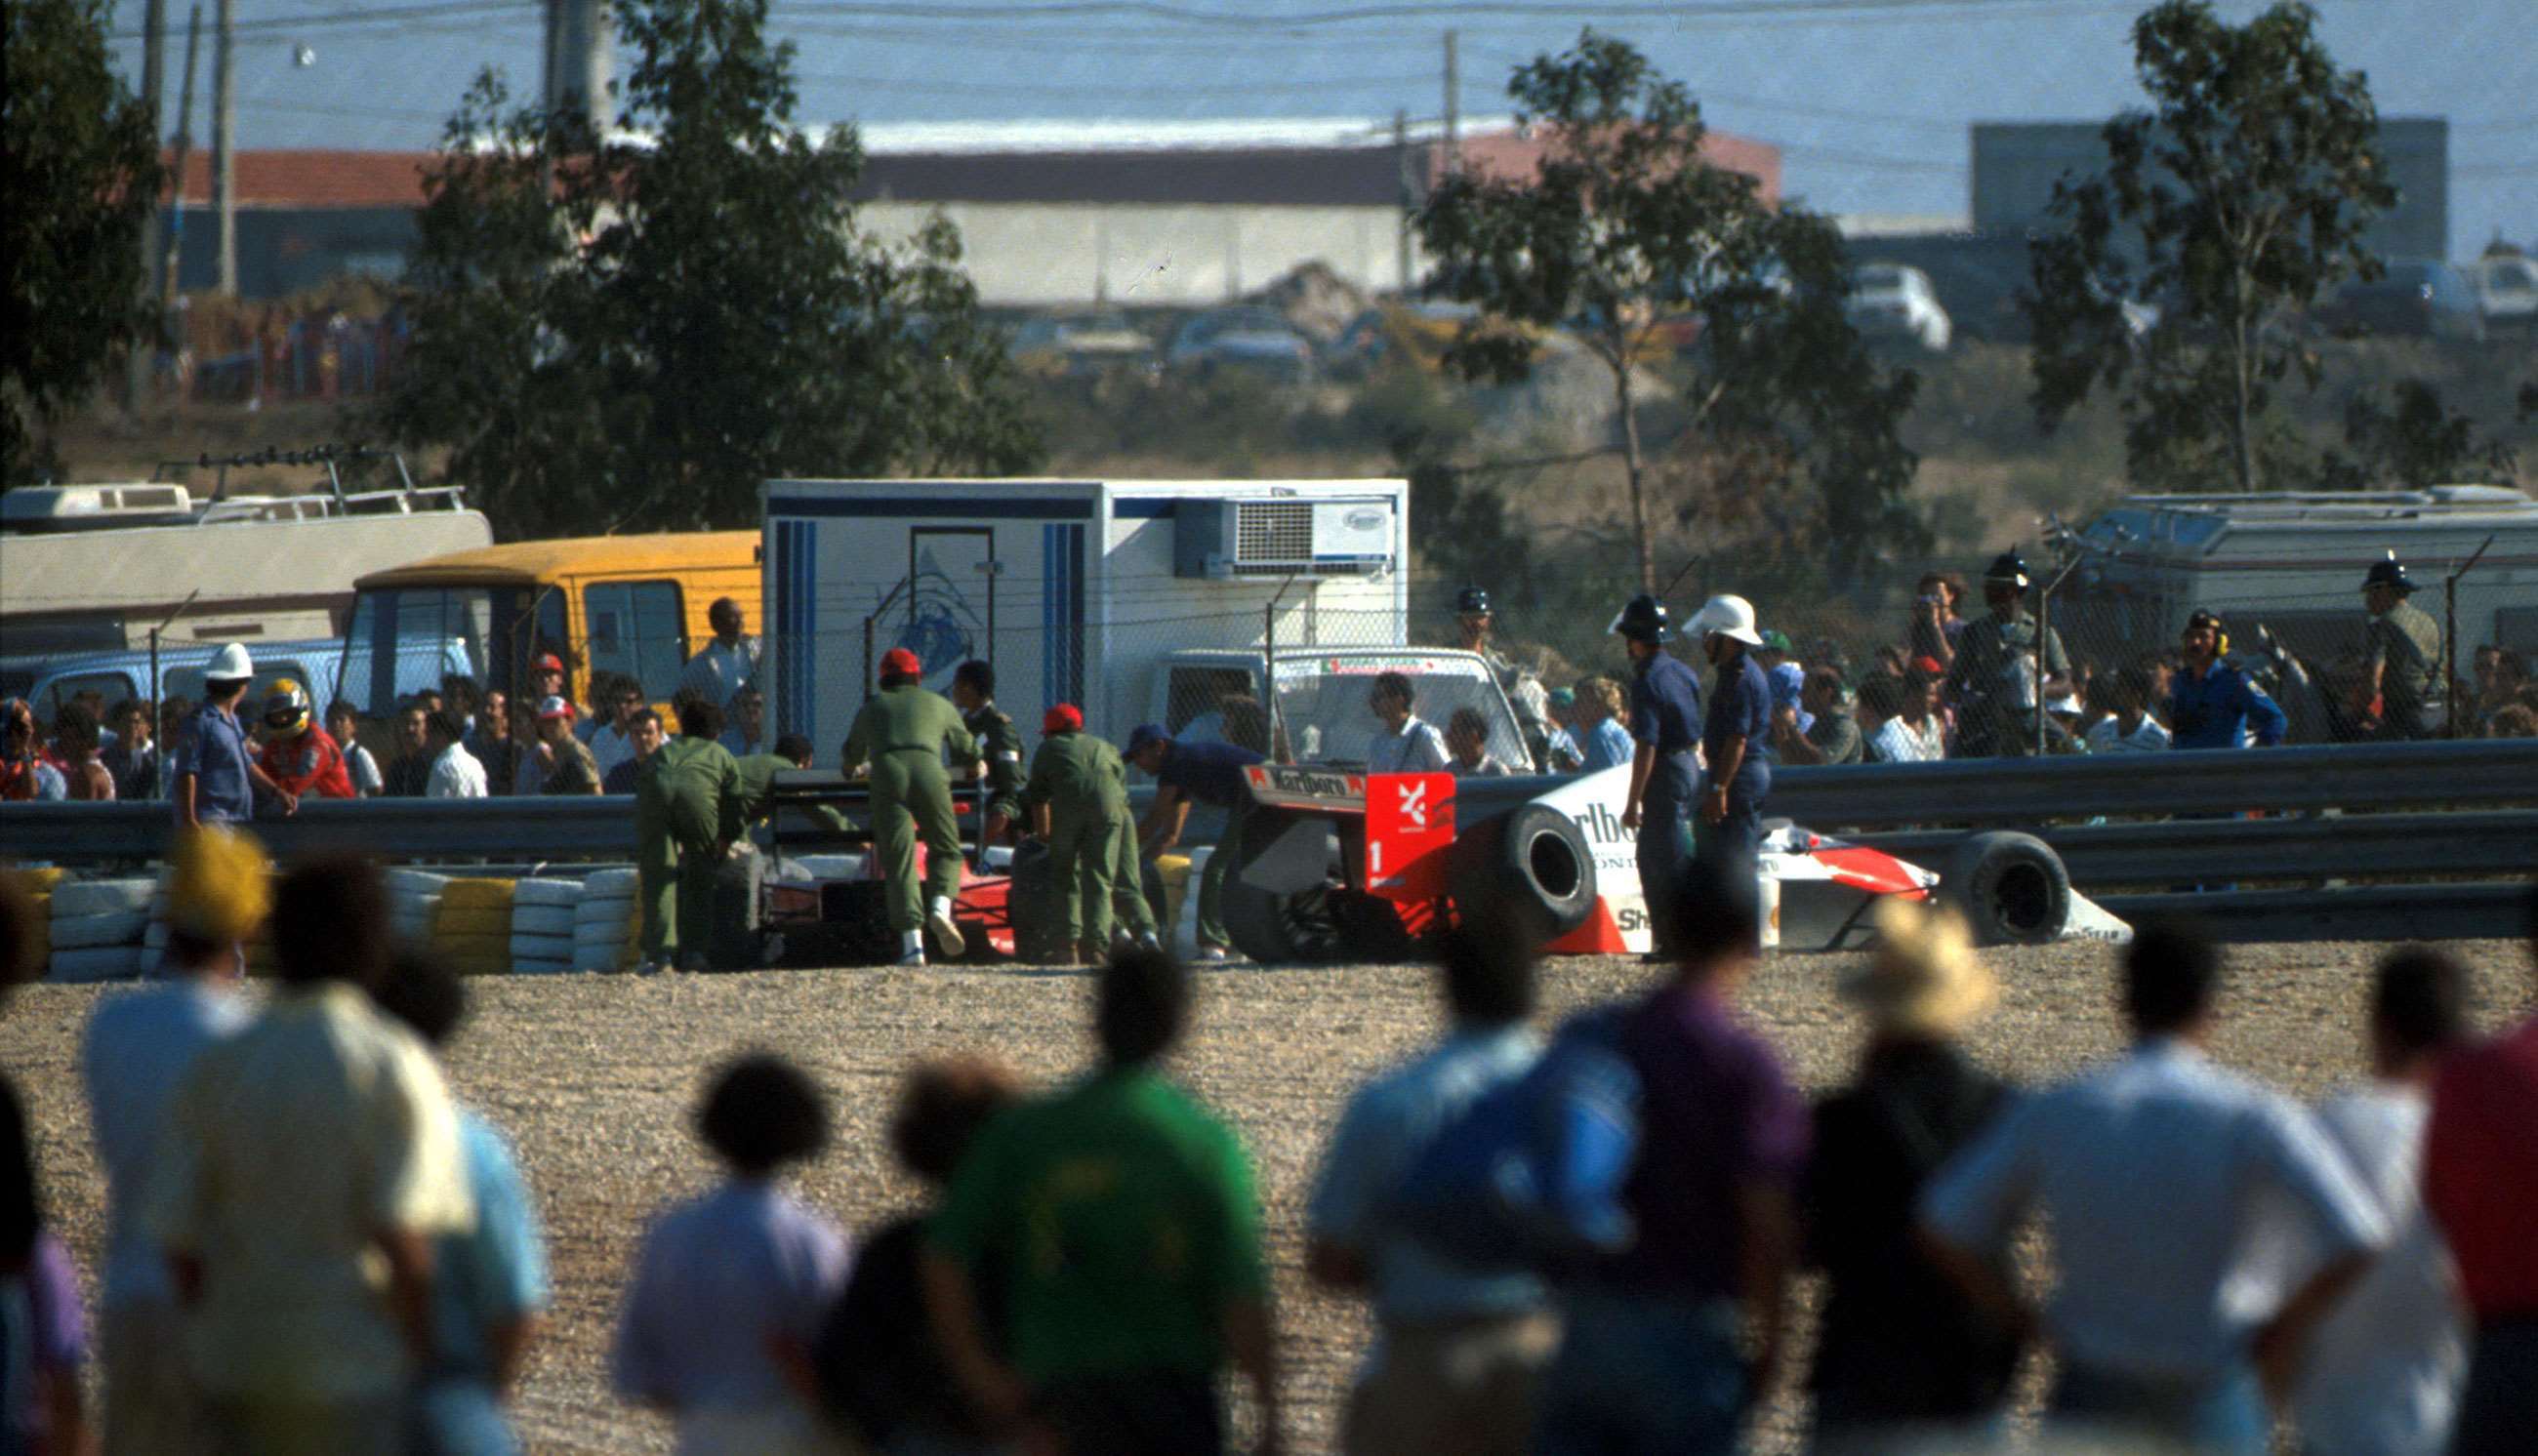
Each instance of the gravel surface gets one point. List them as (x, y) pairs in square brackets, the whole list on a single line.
[(592, 1075)]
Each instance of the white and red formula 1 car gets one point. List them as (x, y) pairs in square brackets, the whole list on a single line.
[(1344, 866)]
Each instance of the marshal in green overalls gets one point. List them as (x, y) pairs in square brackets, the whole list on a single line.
[(687, 813), (903, 733), (1078, 792)]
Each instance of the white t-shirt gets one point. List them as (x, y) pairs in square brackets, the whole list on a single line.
[(2383, 1371), (457, 775), (1898, 742), (2108, 737), (1417, 749)]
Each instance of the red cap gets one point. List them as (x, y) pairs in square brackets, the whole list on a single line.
[(1066, 717), (1928, 665), (550, 663), (900, 662)]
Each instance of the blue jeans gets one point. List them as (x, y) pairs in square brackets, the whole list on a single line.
[(1665, 840), (1643, 1376), (2499, 1410), (2222, 1416), (453, 1416)]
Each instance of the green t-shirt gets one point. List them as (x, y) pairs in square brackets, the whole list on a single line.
[(1122, 1215)]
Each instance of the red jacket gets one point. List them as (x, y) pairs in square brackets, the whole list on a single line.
[(308, 764)]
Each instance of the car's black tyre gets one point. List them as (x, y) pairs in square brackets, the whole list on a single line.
[(1300, 929), (1544, 857), (2011, 887)]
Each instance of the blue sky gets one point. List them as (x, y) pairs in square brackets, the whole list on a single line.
[(1869, 100)]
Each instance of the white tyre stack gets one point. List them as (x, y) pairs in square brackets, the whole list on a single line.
[(603, 924), (98, 928), (414, 899), (544, 915)]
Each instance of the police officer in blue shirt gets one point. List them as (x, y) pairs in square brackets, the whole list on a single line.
[(2211, 704), (1665, 723), (1732, 738)]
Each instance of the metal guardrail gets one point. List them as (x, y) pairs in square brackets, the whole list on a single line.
[(2377, 912), (579, 827), (2215, 851)]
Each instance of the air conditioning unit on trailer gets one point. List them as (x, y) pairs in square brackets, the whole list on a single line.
[(1283, 536)]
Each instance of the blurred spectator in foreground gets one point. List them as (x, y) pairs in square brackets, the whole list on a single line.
[(43, 1337), (1909, 730), (488, 1284), (1655, 1354), (2211, 703), (2480, 1182), (1935, 620), (730, 1287), (1467, 747), (2512, 720), (489, 740), (881, 1374), (1902, 1359), (455, 772), (1125, 1216), (313, 1158), (1830, 732), (410, 771), (344, 726), (1561, 752), (133, 757), (1457, 1355), (2129, 728), (646, 740), (2383, 1374), (1603, 738), (2146, 1351), (135, 1054), (85, 777)]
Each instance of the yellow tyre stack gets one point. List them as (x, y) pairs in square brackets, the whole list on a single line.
[(472, 928)]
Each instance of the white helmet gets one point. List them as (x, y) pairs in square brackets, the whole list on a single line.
[(1729, 616), (231, 665)]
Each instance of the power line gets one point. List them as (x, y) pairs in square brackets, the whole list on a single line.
[(1449, 10), (1113, 88), (388, 15)]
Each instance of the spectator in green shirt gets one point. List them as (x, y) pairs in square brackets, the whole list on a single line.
[(1121, 1215)]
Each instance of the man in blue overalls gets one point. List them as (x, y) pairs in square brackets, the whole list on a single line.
[(1740, 710), (1665, 724)]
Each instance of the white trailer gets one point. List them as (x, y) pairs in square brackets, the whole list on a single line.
[(2293, 561), (1074, 589)]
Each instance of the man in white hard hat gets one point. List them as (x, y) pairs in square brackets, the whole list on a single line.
[(1738, 779), (213, 766)]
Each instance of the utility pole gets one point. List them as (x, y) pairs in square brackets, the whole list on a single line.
[(1408, 198), (154, 85), (183, 151), (225, 141), (578, 59), (1453, 107)]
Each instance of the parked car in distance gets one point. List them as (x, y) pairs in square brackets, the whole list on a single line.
[(1894, 302), (2414, 298), (1255, 339), (1078, 342), (2506, 289)]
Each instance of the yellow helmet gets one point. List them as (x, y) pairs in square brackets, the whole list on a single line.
[(286, 708)]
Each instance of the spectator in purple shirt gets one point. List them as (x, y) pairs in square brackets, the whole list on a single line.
[(40, 1407), (730, 1288), (1652, 1359)]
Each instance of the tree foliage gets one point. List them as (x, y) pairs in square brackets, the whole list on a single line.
[(1623, 228), (2411, 439), (81, 173), (633, 331), (2234, 201)]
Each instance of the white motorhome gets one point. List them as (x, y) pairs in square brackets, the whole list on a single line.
[(94, 567), (1075, 590), (2293, 561)]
